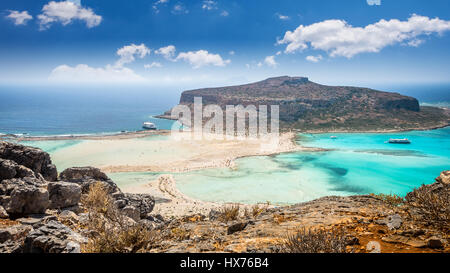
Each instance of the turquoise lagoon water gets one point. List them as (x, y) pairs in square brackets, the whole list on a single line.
[(355, 164)]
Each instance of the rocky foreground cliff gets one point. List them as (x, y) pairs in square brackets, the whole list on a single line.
[(82, 210), (309, 106)]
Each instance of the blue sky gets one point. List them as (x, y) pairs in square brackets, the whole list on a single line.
[(217, 42)]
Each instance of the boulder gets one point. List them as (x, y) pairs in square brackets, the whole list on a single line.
[(53, 237), (24, 196), (10, 169), (63, 194), (86, 176), (435, 242), (373, 247), (394, 221), (132, 212), (14, 233), (7, 169), (32, 158), (143, 203), (444, 178), (236, 227), (12, 238)]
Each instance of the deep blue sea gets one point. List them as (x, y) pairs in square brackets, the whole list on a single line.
[(90, 110), (42, 111)]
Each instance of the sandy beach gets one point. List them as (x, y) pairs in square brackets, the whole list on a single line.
[(152, 152)]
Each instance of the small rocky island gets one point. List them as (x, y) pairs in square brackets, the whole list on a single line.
[(82, 210), (309, 106)]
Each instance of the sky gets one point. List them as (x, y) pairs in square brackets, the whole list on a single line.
[(199, 43)]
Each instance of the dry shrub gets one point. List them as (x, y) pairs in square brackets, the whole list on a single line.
[(430, 206), (393, 200), (280, 218), (315, 241), (229, 213), (255, 211), (110, 230), (180, 234)]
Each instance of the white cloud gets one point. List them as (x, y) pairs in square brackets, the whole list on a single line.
[(270, 61), (224, 13), (167, 52), (202, 58), (314, 59), (179, 8), (127, 53), (415, 42), (83, 73), (278, 53), (282, 17), (19, 18), (374, 2), (158, 3), (110, 74), (209, 5), (152, 65), (65, 12), (338, 38), (232, 52)]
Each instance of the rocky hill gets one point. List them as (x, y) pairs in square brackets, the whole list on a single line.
[(310, 106), (82, 210)]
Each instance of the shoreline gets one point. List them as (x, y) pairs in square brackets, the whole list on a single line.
[(170, 201), (121, 135), (217, 159)]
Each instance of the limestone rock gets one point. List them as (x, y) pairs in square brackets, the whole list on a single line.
[(132, 212), (24, 196), (236, 227), (11, 238), (86, 176), (373, 247), (13, 232), (63, 194), (7, 169), (398, 239), (33, 158), (394, 221), (435, 242), (53, 237), (444, 178), (144, 203)]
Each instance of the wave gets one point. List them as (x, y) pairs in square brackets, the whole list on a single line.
[(445, 104)]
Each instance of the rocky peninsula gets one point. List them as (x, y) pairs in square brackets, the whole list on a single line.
[(312, 107)]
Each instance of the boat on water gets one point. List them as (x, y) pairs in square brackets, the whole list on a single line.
[(399, 141), (333, 137), (149, 126)]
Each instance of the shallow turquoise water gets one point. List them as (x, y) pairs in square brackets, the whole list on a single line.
[(358, 164)]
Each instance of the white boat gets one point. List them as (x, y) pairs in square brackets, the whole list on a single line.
[(333, 137), (149, 126), (399, 141)]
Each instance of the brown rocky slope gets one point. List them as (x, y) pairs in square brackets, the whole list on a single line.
[(310, 106)]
